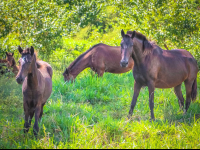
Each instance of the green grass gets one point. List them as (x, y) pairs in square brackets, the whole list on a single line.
[(92, 113)]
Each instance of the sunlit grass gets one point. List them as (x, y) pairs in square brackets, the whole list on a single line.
[(92, 113)]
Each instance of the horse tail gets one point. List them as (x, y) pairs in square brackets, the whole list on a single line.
[(50, 71), (194, 90)]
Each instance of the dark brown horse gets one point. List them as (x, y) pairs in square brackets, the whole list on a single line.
[(11, 63), (3, 66), (100, 58), (158, 68), (2, 63), (36, 77)]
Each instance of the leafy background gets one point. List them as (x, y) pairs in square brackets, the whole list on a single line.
[(92, 112)]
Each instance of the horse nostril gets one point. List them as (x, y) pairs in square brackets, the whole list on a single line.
[(19, 80), (124, 63)]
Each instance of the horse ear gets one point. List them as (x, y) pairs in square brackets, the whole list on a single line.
[(66, 71), (122, 33), (32, 50), (20, 49), (12, 53), (6, 53), (133, 35)]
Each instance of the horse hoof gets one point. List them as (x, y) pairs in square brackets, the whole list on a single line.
[(184, 113), (26, 130), (35, 134), (152, 119), (129, 116)]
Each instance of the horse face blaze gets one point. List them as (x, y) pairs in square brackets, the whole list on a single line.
[(24, 67), (125, 53)]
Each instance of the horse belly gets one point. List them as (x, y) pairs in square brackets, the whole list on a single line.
[(48, 89), (170, 79)]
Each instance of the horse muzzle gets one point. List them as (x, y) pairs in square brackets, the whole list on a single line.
[(19, 80), (124, 63)]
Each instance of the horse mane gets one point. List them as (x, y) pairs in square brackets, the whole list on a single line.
[(147, 46), (27, 50), (38, 65), (13, 61), (81, 56)]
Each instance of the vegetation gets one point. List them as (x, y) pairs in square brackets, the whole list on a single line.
[(92, 112)]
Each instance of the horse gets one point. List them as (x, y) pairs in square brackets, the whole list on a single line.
[(100, 58), (3, 62), (11, 63), (158, 68), (36, 79)]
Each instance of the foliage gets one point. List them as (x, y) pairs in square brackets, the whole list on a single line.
[(44, 23), (92, 112)]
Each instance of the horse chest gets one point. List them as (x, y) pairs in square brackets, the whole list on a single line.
[(139, 77), (31, 95)]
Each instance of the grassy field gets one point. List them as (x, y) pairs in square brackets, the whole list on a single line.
[(92, 113)]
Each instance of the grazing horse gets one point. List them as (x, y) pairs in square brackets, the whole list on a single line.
[(11, 63), (158, 68), (100, 58), (3, 62), (36, 77)]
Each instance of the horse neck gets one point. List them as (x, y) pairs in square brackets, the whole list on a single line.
[(15, 68), (34, 75), (79, 66), (137, 56)]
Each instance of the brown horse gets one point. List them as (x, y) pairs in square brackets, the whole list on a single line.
[(11, 62), (3, 62), (100, 58), (36, 77), (158, 68)]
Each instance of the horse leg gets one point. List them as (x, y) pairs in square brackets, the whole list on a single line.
[(177, 91), (100, 72), (137, 88), (26, 112), (31, 116), (37, 114), (188, 87), (151, 89), (41, 113)]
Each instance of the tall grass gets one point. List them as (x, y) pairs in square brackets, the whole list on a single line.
[(92, 113)]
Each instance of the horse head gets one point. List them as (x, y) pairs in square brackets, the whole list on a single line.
[(67, 75), (26, 63), (126, 48), (10, 59)]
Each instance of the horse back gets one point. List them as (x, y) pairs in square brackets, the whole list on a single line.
[(173, 67), (110, 57), (3, 61), (47, 72), (179, 57), (45, 68)]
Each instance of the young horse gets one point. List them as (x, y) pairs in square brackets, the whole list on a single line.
[(11, 62), (100, 58), (158, 68), (37, 86)]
